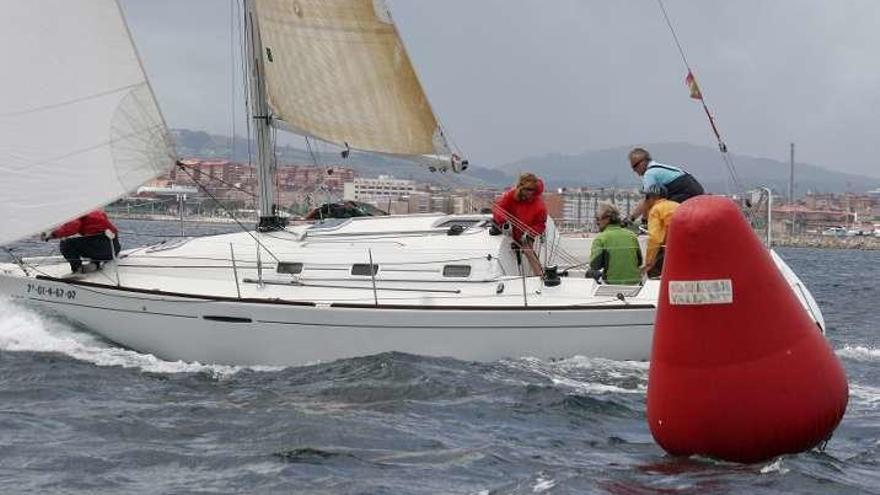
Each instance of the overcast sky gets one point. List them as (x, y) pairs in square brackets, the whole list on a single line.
[(518, 78)]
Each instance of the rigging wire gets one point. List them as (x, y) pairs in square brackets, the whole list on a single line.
[(722, 146), (232, 77), (245, 75), (526, 229), (276, 185), (229, 213), (311, 151), (227, 184)]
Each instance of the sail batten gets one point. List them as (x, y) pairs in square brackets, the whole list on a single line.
[(79, 125), (337, 70)]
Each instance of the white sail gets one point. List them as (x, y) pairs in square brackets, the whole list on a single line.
[(337, 70), (79, 125)]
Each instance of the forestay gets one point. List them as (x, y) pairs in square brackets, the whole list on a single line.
[(79, 125), (337, 70)]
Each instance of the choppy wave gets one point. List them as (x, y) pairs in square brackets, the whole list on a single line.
[(865, 395), (25, 330), (775, 467), (585, 375), (859, 353)]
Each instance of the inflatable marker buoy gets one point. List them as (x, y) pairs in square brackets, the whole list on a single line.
[(739, 371)]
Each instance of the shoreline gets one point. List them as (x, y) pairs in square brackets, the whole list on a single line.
[(171, 218), (864, 243)]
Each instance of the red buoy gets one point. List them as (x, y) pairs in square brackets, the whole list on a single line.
[(739, 371)]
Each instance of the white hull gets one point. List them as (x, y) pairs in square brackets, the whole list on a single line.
[(235, 332), (210, 300)]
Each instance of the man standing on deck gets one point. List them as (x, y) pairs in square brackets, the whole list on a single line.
[(680, 185)]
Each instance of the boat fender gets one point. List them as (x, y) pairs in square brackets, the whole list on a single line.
[(738, 371)]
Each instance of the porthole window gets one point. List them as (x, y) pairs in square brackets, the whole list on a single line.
[(460, 271), (290, 268), (364, 269)]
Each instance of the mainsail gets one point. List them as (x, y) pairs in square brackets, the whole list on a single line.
[(79, 125), (337, 70)]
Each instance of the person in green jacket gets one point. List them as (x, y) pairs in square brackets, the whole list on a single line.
[(615, 256)]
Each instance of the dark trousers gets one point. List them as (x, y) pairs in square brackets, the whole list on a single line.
[(657, 270), (94, 247)]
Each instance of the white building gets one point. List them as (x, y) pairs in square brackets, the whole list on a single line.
[(381, 189), (580, 205)]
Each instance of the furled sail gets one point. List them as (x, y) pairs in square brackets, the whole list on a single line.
[(337, 70), (79, 125)]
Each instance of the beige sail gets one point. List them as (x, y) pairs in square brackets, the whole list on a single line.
[(338, 71)]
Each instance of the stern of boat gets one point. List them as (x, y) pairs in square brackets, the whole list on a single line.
[(800, 290)]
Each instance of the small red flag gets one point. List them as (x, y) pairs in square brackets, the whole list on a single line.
[(691, 82)]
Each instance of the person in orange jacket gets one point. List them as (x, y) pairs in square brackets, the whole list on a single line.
[(522, 209), (660, 212), (91, 236)]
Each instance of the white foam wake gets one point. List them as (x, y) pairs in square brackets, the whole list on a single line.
[(589, 375), (859, 353), (24, 330), (775, 467), (864, 395)]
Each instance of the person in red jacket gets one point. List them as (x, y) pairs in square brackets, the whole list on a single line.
[(522, 210), (96, 240)]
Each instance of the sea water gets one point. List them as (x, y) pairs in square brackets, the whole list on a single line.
[(81, 415)]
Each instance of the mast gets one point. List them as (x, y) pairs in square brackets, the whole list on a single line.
[(269, 219)]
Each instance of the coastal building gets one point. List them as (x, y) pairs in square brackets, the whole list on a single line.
[(579, 205), (380, 189)]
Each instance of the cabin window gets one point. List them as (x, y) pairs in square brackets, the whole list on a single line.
[(290, 268), (460, 271), (364, 269)]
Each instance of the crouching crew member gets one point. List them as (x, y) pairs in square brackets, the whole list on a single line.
[(96, 240), (680, 185)]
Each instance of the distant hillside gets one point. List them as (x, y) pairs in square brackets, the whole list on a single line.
[(602, 168), (202, 144), (610, 167)]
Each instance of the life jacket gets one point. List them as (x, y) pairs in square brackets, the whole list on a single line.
[(681, 188)]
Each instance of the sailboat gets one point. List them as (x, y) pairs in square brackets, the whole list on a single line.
[(81, 114)]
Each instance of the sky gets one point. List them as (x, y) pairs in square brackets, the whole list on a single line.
[(511, 79)]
